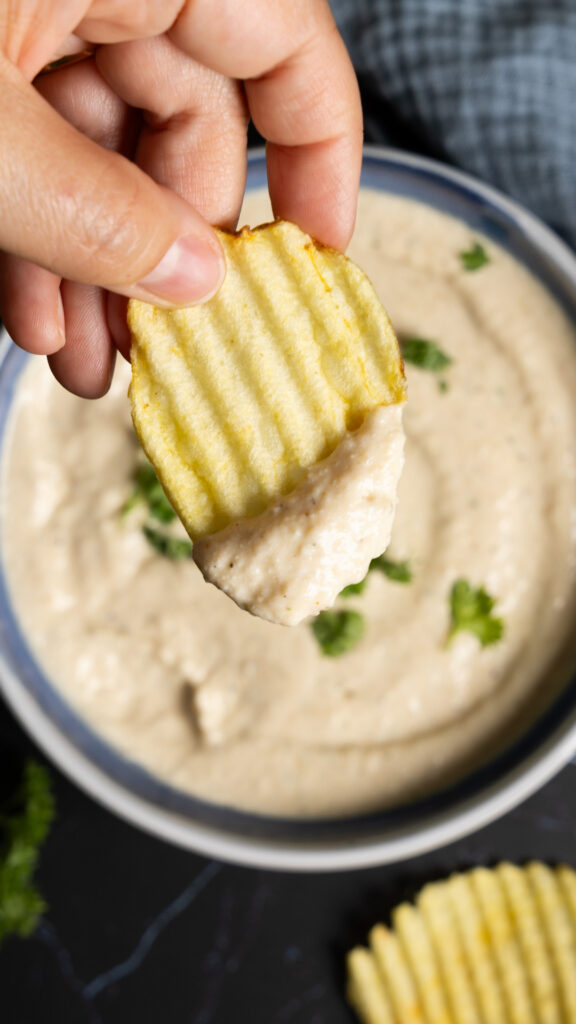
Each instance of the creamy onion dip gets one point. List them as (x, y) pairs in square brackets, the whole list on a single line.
[(292, 560), (251, 714)]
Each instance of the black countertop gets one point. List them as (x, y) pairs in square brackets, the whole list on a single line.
[(139, 931)]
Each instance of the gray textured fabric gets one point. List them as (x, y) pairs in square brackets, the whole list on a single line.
[(488, 85)]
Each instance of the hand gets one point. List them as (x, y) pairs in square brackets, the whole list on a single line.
[(114, 169)]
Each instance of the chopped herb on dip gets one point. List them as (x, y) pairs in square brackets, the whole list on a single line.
[(175, 548), (471, 610), (354, 588), (338, 631), (147, 488), (399, 572), (149, 491), (474, 258), (425, 354), (25, 819)]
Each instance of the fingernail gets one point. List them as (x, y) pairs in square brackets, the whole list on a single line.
[(191, 270)]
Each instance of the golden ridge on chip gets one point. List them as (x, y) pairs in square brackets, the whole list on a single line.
[(235, 399), (482, 947)]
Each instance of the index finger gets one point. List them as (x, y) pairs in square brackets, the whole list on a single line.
[(303, 98)]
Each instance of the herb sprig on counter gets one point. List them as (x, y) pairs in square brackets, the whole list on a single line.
[(25, 820), (148, 491), (475, 257), (471, 610)]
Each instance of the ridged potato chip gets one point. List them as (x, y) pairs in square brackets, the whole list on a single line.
[(234, 399), (506, 951), (419, 951), (477, 946), (493, 946), (559, 931), (435, 907), (237, 401), (394, 969), (533, 942), (366, 990), (567, 880)]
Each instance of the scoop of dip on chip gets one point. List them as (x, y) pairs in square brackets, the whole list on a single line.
[(272, 416)]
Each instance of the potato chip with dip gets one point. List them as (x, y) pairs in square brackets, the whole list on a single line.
[(272, 416)]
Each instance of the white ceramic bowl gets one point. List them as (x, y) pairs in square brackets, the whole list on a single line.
[(144, 800)]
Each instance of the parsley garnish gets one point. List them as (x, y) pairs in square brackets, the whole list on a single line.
[(470, 609), (425, 354), (474, 258), (147, 488), (176, 548), (338, 631), (400, 572), (24, 824), (354, 588)]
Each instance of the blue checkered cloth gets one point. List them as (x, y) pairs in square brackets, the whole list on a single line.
[(487, 85)]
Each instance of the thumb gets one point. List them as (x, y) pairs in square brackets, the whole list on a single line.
[(92, 216)]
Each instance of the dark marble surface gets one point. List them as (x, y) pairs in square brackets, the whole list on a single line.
[(139, 931)]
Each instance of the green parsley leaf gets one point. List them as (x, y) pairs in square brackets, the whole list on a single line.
[(354, 588), (24, 825), (176, 548), (425, 354), (470, 609), (131, 503), (148, 488), (338, 631), (400, 572), (474, 258)]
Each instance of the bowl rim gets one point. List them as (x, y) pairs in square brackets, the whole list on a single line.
[(444, 827)]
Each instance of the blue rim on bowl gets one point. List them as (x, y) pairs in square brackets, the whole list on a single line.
[(384, 837)]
